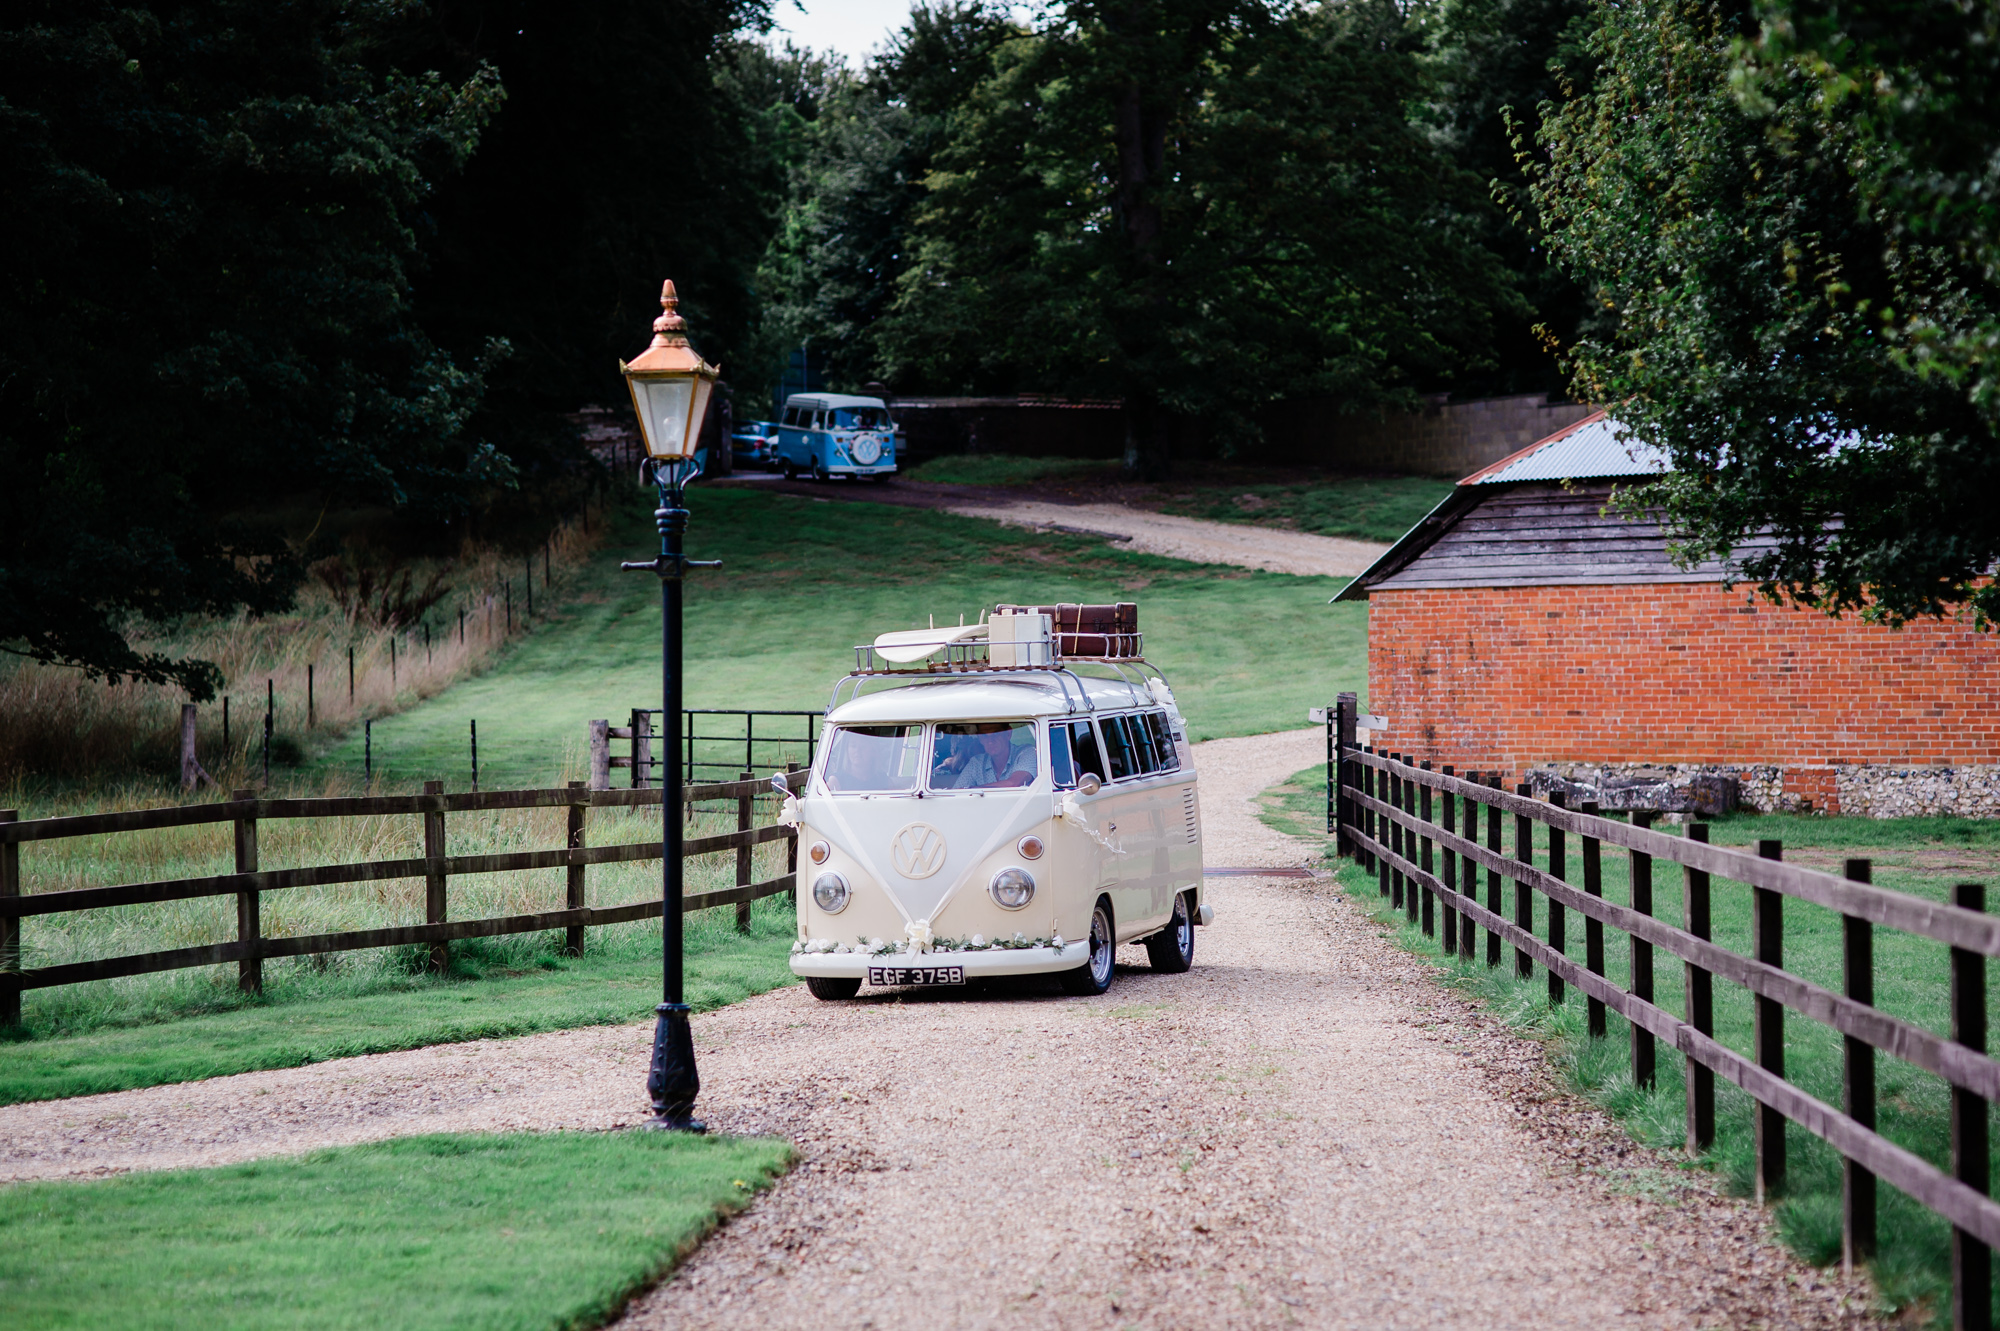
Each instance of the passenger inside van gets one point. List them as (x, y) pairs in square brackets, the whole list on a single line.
[(860, 418), (983, 755)]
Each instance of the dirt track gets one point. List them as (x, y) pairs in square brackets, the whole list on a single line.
[(1239, 544), (1305, 1130)]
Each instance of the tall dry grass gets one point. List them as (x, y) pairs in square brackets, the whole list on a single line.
[(56, 726)]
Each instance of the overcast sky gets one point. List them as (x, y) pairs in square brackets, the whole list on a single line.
[(851, 27)]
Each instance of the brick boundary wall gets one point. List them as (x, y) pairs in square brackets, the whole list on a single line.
[(1807, 712), (1448, 439)]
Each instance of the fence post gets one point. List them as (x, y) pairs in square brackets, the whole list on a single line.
[(1468, 871), (1395, 830), (434, 880), (1971, 1260), (1494, 900), (743, 856), (1857, 976), (600, 754), (1449, 817), (687, 749), (312, 712), (1524, 900), (573, 899), (188, 764), (1343, 808), (1644, 1056), (1593, 928), (1369, 859), (474, 741), (1424, 857), (1409, 808), (1700, 1006), (1558, 917), (642, 748), (270, 710), (1767, 944), (249, 924), (10, 926), (1333, 756)]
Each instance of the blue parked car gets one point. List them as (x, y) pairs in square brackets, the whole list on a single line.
[(755, 442), (833, 434)]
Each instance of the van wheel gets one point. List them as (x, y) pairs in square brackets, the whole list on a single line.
[(829, 989), (819, 472), (791, 472), (1094, 975), (1172, 949)]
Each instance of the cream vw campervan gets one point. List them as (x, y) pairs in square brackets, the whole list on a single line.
[(988, 800)]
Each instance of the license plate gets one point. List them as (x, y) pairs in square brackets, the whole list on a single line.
[(916, 975)]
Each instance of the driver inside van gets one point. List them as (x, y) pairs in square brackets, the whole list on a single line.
[(983, 756)]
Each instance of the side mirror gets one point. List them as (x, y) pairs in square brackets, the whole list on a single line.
[(1088, 784), (778, 783)]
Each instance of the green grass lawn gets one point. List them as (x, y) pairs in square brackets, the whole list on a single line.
[(1365, 508), (492, 1232), (1920, 856), (1006, 469), (804, 580), (496, 988)]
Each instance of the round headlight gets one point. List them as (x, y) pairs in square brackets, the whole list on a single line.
[(1030, 847), (1013, 888), (818, 852), (831, 891)]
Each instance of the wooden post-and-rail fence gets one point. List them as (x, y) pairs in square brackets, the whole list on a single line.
[(1420, 832), (245, 811)]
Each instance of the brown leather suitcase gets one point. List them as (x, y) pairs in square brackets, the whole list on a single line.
[(1089, 630)]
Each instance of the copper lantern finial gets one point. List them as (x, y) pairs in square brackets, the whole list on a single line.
[(669, 329)]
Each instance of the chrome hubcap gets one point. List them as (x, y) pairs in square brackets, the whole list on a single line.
[(1100, 947)]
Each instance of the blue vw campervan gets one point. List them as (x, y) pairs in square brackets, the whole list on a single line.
[(833, 434)]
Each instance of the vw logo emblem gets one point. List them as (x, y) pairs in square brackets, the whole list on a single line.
[(918, 850)]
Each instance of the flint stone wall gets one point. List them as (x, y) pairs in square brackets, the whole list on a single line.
[(1708, 789)]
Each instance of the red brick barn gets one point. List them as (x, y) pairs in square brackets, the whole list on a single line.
[(1522, 627)]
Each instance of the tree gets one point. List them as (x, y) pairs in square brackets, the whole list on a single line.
[(621, 157), (861, 147), (212, 213), (1197, 206), (1496, 67), (1787, 326)]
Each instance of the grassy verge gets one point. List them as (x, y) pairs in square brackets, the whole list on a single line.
[(1922, 857), (528, 1231), (496, 988), (1365, 508)]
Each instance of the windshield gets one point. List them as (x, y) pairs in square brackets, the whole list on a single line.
[(873, 758), (984, 755), (860, 418)]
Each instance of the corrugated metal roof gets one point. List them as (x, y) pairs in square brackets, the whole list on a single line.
[(1587, 450)]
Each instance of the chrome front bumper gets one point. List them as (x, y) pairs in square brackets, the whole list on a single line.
[(993, 961)]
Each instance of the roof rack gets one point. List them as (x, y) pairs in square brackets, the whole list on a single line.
[(976, 657), (973, 660)]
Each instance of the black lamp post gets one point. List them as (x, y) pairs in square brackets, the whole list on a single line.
[(670, 390)]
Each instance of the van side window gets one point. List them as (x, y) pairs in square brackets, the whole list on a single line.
[(1060, 769), (791, 416), (1142, 745), (1163, 741), (818, 421), (1118, 742), (1082, 747)]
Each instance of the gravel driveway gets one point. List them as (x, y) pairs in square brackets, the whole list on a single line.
[(1304, 1130), (1196, 539)]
